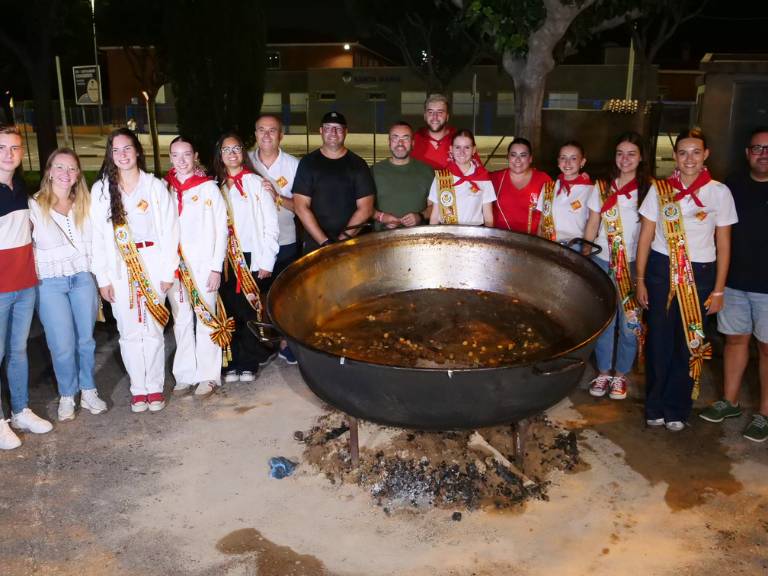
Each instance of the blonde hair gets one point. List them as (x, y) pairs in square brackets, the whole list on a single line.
[(79, 193)]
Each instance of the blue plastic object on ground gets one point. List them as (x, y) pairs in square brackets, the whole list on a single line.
[(280, 467)]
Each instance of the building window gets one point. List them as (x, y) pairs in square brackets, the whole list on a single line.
[(462, 104), (326, 96), (563, 100), (298, 101), (505, 104), (273, 60), (377, 97), (412, 103), (272, 103)]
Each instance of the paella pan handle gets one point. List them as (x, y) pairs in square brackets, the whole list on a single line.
[(368, 224), (557, 366), (257, 329), (596, 249)]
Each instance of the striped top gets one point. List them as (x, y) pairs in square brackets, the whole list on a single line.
[(17, 260)]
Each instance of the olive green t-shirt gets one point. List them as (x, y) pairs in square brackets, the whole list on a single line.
[(401, 189)]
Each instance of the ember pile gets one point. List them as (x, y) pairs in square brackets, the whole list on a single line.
[(417, 469)]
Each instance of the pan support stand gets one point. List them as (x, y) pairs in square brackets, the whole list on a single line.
[(354, 444), (519, 434)]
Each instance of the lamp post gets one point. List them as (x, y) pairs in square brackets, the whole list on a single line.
[(152, 120), (96, 61)]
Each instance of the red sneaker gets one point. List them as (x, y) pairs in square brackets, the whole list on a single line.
[(139, 403), (618, 388), (599, 385), (156, 401)]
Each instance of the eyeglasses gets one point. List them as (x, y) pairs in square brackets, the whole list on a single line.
[(63, 168), (231, 149), (758, 149), (336, 129)]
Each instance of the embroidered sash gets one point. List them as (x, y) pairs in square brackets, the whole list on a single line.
[(221, 327), (142, 291), (446, 197), (682, 282), (618, 262), (236, 259), (547, 212)]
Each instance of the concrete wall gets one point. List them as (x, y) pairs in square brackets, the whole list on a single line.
[(371, 98)]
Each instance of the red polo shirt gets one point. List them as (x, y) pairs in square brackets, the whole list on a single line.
[(512, 206)]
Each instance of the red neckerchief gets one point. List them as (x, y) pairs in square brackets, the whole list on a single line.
[(625, 191), (198, 177), (238, 179), (703, 178), (582, 178), (479, 175)]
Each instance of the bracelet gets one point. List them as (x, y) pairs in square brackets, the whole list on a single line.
[(716, 293), (327, 241)]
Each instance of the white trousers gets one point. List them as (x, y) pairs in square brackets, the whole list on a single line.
[(142, 346), (198, 358)]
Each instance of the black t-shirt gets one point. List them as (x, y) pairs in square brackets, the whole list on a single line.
[(335, 186), (749, 257)]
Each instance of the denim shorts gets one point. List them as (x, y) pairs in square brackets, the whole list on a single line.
[(744, 313)]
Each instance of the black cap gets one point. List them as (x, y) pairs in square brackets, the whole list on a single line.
[(334, 117)]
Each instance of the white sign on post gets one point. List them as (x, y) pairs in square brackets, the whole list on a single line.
[(87, 84)]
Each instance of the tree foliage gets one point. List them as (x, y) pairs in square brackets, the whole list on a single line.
[(433, 40), (42, 29), (213, 55), (217, 66)]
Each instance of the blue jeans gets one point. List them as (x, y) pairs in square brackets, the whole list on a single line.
[(16, 309), (626, 348), (67, 307)]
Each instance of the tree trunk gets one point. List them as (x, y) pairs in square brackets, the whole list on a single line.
[(45, 124), (153, 134), (529, 77)]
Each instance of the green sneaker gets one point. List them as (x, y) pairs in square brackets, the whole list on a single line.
[(757, 431), (719, 411)]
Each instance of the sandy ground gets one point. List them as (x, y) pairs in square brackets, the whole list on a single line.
[(187, 491)]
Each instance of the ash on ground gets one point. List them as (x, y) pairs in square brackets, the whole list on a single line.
[(418, 469)]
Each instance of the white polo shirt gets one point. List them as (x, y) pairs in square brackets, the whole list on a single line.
[(630, 223), (699, 222), (469, 204), (570, 211), (282, 174)]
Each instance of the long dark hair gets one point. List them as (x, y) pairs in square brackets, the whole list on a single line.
[(642, 175), (219, 169), (110, 172)]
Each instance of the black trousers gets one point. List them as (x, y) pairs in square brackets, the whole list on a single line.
[(668, 386), (247, 350)]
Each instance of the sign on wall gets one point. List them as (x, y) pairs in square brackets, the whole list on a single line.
[(87, 84)]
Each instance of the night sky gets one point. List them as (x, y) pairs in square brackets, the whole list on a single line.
[(724, 26)]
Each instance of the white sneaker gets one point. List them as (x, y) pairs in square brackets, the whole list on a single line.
[(89, 400), (66, 408), (655, 422), (8, 438), (181, 388), (205, 389), (30, 422), (231, 376), (247, 376), (675, 426)]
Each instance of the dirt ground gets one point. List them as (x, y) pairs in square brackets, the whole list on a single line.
[(187, 491)]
